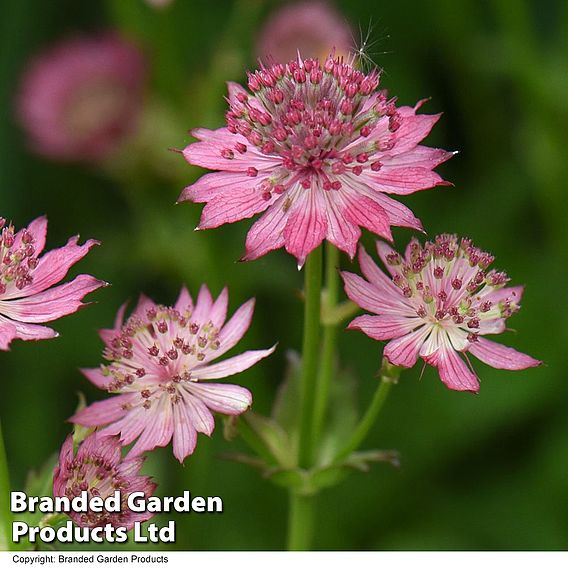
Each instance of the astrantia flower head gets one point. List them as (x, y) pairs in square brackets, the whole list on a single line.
[(316, 148), (81, 98), (160, 361), (310, 28), (26, 279), (442, 299), (99, 469)]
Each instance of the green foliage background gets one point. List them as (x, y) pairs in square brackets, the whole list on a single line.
[(478, 472)]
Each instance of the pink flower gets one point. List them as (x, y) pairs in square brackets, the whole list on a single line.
[(99, 469), (26, 279), (81, 98), (160, 365), (312, 29), (441, 301), (316, 149)]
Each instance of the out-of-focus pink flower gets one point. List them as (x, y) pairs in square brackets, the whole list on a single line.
[(99, 469), (316, 149), (80, 99), (26, 279), (159, 3), (160, 364), (312, 29), (441, 301)]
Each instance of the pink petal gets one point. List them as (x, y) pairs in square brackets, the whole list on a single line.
[(10, 330), (231, 366), (53, 267), (198, 413), (513, 293), (159, 429), (369, 297), (398, 214), (144, 304), (419, 156), (413, 129), (219, 309), (130, 426), (268, 232), (208, 152), (404, 350), (403, 181), (203, 305), (184, 301), (340, 232), (53, 303), (385, 327), (38, 229), (500, 356), (367, 213), (232, 332), (222, 398), (107, 335), (454, 373), (306, 226), (97, 377), (233, 207), (379, 279), (104, 411), (185, 435)]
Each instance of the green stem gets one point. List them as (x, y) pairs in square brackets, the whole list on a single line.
[(300, 521), (388, 376), (5, 513), (328, 358), (310, 354)]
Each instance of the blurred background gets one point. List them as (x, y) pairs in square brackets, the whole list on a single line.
[(477, 472)]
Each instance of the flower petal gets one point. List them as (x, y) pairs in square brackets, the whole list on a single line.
[(373, 299), (454, 373), (53, 267), (232, 332), (104, 411), (198, 413), (268, 232), (385, 327), (53, 303), (214, 144), (500, 356), (185, 434), (218, 312), (231, 366), (307, 225), (223, 398), (158, 431), (404, 350)]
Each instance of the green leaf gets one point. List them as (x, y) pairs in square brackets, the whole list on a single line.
[(38, 484), (80, 432), (273, 437), (287, 402), (342, 416)]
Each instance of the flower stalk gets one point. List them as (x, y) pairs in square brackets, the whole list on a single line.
[(300, 521), (388, 376), (328, 357), (5, 514), (310, 355)]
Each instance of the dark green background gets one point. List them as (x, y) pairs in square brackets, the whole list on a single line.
[(478, 472)]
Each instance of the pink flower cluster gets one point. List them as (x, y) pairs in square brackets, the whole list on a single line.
[(311, 28), (80, 99), (315, 148), (441, 299), (160, 364), (98, 469), (28, 295)]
